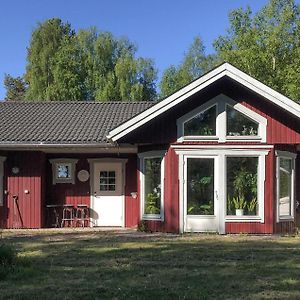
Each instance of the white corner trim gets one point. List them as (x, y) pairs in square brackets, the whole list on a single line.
[(69, 161), (225, 69), (2, 160), (142, 157)]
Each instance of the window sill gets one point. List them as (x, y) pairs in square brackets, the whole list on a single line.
[(198, 139), (257, 219), (284, 219), (152, 218), (243, 137)]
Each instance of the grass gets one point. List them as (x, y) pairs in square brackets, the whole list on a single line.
[(93, 264)]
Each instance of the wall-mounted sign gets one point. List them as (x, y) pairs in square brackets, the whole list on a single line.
[(83, 175)]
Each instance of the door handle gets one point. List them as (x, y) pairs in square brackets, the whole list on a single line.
[(217, 196)]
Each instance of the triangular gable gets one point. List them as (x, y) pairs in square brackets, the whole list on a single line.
[(223, 70)]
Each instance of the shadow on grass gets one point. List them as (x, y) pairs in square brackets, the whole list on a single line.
[(122, 265)]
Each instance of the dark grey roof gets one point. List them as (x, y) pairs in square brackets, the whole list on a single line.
[(63, 122)]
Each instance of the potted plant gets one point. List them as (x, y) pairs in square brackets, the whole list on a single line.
[(239, 205), (251, 206)]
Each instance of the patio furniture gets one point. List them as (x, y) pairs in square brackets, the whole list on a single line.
[(82, 215), (67, 215), (53, 215)]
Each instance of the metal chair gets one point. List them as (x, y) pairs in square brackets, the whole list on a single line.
[(67, 215), (82, 215)]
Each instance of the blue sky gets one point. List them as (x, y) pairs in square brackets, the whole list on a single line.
[(162, 29)]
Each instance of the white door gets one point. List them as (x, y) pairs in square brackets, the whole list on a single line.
[(108, 197), (200, 194)]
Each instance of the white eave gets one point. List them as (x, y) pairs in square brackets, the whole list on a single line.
[(225, 69)]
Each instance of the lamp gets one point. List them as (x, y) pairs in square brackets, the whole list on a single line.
[(133, 195)]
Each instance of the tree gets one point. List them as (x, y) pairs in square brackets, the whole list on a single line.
[(266, 45), (195, 63), (46, 40), (15, 88), (88, 65)]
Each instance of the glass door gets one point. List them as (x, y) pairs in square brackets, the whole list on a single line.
[(200, 194)]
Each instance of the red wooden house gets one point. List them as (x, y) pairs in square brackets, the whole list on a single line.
[(221, 155)]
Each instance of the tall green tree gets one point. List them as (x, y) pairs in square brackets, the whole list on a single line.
[(15, 88), (266, 45), (46, 40), (88, 65), (195, 63)]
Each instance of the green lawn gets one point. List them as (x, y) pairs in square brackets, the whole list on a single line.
[(93, 264)]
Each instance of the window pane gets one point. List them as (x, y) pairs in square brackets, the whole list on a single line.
[(242, 186), (112, 174), (200, 186), (285, 187), (103, 174), (239, 125), (152, 196), (63, 171), (107, 180), (203, 124)]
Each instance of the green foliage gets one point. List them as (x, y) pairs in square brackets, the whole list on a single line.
[(152, 204), (201, 209), (143, 226), (15, 88), (195, 63), (266, 45), (251, 206), (46, 40), (88, 65), (7, 259), (239, 202)]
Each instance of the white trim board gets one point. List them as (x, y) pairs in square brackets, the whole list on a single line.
[(223, 70)]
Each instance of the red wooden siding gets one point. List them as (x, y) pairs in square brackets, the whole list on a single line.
[(282, 128), (67, 193), (132, 206), (171, 197), (27, 212)]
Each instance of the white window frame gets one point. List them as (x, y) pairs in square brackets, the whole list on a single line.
[(142, 157), (261, 176), (222, 152), (71, 162), (291, 156), (221, 101), (2, 160)]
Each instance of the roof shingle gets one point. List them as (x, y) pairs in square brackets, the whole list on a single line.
[(63, 122)]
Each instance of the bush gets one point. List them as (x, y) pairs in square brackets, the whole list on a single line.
[(143, 226), (7, 259)]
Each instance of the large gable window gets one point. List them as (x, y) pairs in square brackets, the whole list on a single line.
[(238, 124), (222, 119), (203, 124)]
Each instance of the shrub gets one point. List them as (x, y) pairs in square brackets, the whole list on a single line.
[(7, 259)]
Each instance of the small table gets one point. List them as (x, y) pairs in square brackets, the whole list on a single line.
[(53, 214)]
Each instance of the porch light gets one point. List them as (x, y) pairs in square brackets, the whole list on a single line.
[(15, 170), (133, 195)]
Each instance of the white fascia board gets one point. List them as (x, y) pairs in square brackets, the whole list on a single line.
[(166, 104), (224, 70)]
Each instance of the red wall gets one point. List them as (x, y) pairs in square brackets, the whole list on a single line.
[(27, 212), (171, 196), (79, 193)]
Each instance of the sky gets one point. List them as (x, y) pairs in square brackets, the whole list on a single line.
[(162, 29)]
